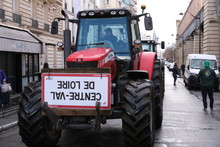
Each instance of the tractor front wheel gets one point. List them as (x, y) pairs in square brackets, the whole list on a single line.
[(34, 128), (137, 114)]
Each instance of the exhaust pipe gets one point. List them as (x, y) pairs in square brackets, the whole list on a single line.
[(67, 38)]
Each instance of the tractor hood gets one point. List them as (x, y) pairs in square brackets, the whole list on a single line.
[(93, 58), (91, 54)]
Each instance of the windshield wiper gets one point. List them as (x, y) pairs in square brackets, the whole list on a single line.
[(99, 43)]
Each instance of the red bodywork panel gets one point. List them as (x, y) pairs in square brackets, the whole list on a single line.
[(104, 56), (147, 62)]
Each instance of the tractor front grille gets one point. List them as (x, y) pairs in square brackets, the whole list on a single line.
[(90, 64)]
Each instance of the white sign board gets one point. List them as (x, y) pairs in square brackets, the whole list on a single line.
[(79, 91)]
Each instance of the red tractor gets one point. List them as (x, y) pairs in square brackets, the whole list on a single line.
[(151, 46), (106, 76)]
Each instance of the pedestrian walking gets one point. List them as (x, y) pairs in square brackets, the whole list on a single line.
[(175, 73), (183, 69), (207, 76), (2, 80)]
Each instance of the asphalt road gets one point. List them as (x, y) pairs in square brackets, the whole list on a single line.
[(185, 124)]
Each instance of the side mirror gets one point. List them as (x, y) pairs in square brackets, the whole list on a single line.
[(54, 27), (148, 23), (162, 44)]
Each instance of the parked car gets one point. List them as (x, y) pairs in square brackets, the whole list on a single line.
[(170, 66)]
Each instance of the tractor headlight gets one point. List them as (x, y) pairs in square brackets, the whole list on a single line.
[(83, 14), (121, 12), (113, 12), (91, 13)]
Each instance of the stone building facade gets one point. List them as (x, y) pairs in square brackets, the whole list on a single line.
[(26, 41), (198, 31)]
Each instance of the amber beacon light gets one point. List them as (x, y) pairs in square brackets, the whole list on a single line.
[(143, 7)]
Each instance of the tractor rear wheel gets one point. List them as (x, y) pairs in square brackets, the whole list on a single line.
[(34, 128), (137, 114), (158, 93)]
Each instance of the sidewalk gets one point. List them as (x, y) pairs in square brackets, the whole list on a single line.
[(8, 116), (197, 93), (14, 99), (185, 124)]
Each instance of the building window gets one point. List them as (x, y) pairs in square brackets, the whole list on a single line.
[(34, 23), (107, 2), (15, 11), (24, 64), (2, 14), (65, 5), (30, 68), (46, 27), (16, 18)]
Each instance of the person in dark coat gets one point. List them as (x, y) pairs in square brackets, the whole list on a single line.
[(175, 73), (183, 69), (2, 80), (207, 76)]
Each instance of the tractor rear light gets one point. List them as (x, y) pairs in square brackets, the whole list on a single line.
[(83, 14), (113, 12), (121, 12), (91, 13)]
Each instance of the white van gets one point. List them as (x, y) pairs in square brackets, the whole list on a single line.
[(194, 63)]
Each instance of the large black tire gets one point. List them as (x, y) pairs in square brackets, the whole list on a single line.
[(158, 93), (137, 114), (34, 128), (162, 68)]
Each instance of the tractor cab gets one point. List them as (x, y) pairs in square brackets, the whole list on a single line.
[(109, 32), (113, 28), (105, 35), (149, 45)]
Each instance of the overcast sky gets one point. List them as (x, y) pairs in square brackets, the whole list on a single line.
[(164, 14)]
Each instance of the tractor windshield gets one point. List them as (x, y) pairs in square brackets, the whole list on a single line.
[(104, 32)]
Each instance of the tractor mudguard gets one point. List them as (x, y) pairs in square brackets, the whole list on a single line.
[(147, 62)]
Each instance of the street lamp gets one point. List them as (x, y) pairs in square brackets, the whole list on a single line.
[(199, 28)]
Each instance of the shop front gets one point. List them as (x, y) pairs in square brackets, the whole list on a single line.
[(19, 56)]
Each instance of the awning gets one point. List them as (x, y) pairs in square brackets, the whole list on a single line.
[(18, 40)]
